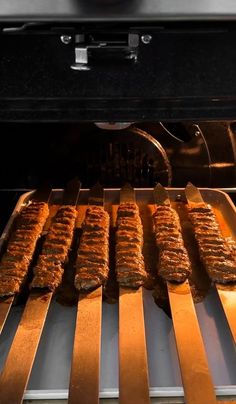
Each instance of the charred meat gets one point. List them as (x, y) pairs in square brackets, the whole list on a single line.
[(215, 252), (130, 267), (92, 263), (49, 269), (20, 249), (174, 264)]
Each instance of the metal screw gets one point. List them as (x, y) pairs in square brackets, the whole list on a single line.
[(132, 56), (66, 39), (197, 133), (146, 39)]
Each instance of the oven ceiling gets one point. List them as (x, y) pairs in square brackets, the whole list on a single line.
[(118, 10)]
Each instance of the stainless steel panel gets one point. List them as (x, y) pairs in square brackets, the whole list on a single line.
[(95, 10)]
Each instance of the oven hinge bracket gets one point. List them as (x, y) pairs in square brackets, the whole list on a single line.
[(89, 49)]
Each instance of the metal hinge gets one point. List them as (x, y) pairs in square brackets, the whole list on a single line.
[(90, 48)]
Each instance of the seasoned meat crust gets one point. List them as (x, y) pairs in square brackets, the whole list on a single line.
[(20, 249), (215, 252), (49, 269), (92, 263), (130, 267), (174, 264)]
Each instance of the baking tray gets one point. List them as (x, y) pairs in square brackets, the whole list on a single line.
[(50, 375)]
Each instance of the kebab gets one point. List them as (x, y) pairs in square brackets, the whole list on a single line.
[(34, 315), (91, 274), (215, 252), (21, 246), (93, 253), (49, 270), (130, 267), (174, 264), (131, 275)]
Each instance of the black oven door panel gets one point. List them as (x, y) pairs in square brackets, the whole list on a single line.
[(175, 72)]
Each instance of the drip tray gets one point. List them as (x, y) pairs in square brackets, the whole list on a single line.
[(50, 375), (51, 371)]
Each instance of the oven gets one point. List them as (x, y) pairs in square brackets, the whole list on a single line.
[(140, 92)]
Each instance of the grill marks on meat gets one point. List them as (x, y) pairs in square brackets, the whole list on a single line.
[(232, 246), (174, 264), (20, 249), (216, 254), (130, 267), (49, 270), (93, 253)]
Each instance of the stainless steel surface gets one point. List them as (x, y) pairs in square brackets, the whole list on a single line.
[(161, 195), (71, 193), (85, 370), (127, 194), (23, 349), (193, 194), (81, 56), (133, 365), (133, 10), (81, 59), (217, 199), (6, 303), (227, 294), (228, 300), (5, 306), (96, 195), (115, 401), (113, 50), (192, 355), (85, 367)]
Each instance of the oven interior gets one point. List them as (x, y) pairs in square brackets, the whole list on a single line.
[(116, 98), (143, 154)]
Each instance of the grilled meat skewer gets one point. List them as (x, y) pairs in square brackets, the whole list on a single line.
[(20, 249), (130, 267), (214, 250), (174, 264), (49, 270), (93, 253)]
